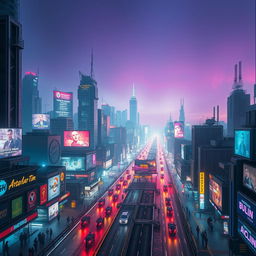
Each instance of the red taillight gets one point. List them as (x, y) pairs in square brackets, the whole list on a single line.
[(89, 241)]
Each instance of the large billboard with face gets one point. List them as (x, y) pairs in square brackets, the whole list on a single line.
[(215, 193), (90, 161), (63, 104), (40, 122), (242, 143), (53, 187), (249, 177), (10, 142), (76, 138), (73, 163), (53, 211), (178, 129)]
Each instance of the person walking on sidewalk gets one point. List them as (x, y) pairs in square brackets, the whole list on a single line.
[(35, 244), (68, 219), (206, 242), (47, 232), (6, 248), (197, 231), (50, 233)]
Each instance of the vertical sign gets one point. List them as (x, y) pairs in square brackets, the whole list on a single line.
[(201, 189)]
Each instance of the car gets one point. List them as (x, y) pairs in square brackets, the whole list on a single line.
[(162, 176), (127, 171), (85, 221), (89, 240), (165, 188), (129, 177), (172, 229), (108, 211), (118, 186), (168, 201), (121, 179), (125, 182), (115, 197), (100, 223), (101, 202), (169, 211), (162, 169), (124, 218), (110, 192)]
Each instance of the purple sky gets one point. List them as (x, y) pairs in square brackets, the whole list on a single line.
[(169, 49)]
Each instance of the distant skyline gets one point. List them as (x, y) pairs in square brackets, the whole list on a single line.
[(170, 49)]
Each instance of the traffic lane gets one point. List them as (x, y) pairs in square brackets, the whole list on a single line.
[(76, 237), (114, 241)]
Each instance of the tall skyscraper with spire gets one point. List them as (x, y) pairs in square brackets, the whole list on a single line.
[(133, 108), (88, 105), (182, 112), (237, 104)]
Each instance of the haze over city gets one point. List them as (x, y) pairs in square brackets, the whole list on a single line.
[(168, 49)]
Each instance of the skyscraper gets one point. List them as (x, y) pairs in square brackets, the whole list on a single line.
[(11, 44), (182, 112), (133, 109), (31, 102), (237, 104), (88, 106), (124, 118)]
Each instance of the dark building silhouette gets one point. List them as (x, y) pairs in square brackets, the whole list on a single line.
[(133, 109), (169, 135), (237, 104), (31, 102), (88, 106), (11, 44)]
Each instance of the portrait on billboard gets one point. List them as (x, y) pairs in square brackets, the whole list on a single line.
[(76, 139), (215, 192), (40, 122), (178, 130), (242, 143), (10, 142), (249, 177)]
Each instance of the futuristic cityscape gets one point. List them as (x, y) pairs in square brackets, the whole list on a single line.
[(128, 128)]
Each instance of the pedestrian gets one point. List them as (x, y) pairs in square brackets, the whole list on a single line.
[(68, 219), (40, 238), (43, 238), (72, 219), (7, 248), (206, 242), (35, 244), (47, 232), (50, 233), (197, 231), (58, 217)]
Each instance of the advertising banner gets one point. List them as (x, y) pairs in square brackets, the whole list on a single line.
[(12, 184), (17, 207), (40, 122), (53, 187), (63, 104), (242, 143), (215, 193), (76, 138), (249, 177), (10, 142), (246, 209), (31, 200), (248, 235), (43, 194), (90, 161), (73, 163), (53, 211), (178, 130)]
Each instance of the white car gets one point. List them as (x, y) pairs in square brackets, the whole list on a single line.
[(124, 218)]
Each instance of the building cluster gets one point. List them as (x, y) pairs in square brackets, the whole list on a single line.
[(219, 166), (51, 160)]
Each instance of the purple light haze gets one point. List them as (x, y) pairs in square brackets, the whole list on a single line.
[(170, 49)]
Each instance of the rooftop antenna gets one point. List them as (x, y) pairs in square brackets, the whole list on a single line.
[(213, 113), (218, 114), (92, 72), (240, 72), (235, 78), (133, 90)]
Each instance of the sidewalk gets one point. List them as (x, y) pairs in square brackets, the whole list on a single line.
[(217, 241), (57, 227)]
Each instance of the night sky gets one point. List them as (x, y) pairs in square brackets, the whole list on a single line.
[(169, 49)]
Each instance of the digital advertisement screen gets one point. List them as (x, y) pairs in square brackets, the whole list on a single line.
[(10, 142), (90, 161), (63, 104), (31, 200), (246, 209), (178, 130), (53, 187), (17, 207), (76, 139), (53, 211), (40, 122), (215, 193), (43, 194), (182, 151), (73, 163), (242, 143), (249, 177)]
